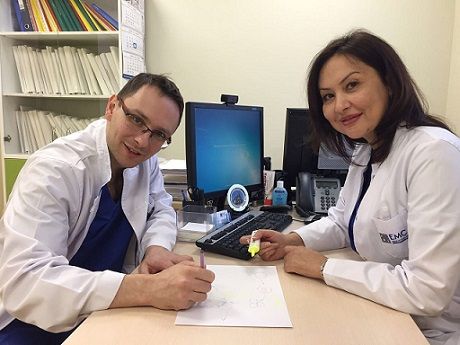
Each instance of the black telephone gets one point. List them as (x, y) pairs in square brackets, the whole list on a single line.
[(315, 193)]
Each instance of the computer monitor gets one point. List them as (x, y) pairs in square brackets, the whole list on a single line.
[(299, 154), (224, 146)]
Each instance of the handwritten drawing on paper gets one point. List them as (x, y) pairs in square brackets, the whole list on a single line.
[(240, 296)]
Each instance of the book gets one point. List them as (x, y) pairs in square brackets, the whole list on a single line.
[(97, 72), (60, 15), (50, 117), (20, 125), (106, 16), (113, 67), (45, 126), (76, 25), (22, 15), (80, 74), (31, 60), (26, 69), (63, 88), (31, 15), (109, 72), (39, 16), (20, 69), (77, 16), (97, 89), (36, 128), (87, 71), (61, 127), (43, 74), (90, 17), (49, 16), (114, 52), (104, 74), (29, 133), (39, 75), (69, 125), (64, 71), (82, 15), (104, 24), (47, 59), (73, 76)]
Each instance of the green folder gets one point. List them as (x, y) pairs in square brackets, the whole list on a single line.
[(85, 14), (62, 19), (71, 14)]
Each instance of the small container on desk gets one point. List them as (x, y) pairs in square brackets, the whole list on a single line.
[(194, 221)]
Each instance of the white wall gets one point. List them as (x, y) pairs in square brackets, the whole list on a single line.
[(453, 98), (261, 49)]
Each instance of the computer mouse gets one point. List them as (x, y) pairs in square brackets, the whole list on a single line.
[(312, 218)]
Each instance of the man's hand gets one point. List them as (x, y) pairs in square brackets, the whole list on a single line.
[(177, 287), (157, 259), (181, 286)]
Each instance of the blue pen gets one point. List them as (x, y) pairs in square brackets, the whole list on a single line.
[(202, 264)]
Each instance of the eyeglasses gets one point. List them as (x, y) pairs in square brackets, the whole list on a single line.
[(136, 123)]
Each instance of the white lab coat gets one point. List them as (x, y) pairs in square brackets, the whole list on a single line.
[(407, 229), (48, 215)]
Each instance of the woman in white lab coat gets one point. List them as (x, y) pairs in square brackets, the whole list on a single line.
[(399, 207)]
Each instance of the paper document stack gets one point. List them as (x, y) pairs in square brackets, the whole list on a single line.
[(175, 177)]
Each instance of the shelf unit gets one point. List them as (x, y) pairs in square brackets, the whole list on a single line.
[(11, 96)]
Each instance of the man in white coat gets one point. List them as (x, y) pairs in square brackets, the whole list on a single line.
[(85, 211)]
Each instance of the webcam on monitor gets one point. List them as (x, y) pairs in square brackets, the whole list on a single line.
[(229, 99)]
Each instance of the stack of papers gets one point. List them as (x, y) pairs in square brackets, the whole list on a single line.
[(175, 177), (191, 232)]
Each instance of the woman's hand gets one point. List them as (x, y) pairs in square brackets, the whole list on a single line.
[(303, 261), (272, 243)]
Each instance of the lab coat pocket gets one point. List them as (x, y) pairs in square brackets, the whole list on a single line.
[(393, 235)]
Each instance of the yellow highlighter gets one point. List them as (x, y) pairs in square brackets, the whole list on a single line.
[(254, 245)]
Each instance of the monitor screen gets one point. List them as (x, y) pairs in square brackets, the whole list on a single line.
[(299, 155), (224, 146)]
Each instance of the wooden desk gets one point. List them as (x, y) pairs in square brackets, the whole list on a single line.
[(320, 315)]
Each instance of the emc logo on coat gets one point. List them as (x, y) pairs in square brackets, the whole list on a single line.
[(399, 237)]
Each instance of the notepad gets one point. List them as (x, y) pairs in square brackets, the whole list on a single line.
[(240, 296)]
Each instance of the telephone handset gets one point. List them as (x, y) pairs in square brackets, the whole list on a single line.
[(315, 193)]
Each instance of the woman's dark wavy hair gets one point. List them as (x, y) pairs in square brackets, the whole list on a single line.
[(406, 104)]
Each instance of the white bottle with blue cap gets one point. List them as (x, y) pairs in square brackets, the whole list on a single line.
[(279, 196)]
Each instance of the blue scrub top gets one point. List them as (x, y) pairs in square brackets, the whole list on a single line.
[(105, 245), (104, 248)]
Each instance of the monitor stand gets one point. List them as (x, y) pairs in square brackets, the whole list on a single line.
[(235, 214)]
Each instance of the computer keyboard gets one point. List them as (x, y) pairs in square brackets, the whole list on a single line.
[(226, 240)]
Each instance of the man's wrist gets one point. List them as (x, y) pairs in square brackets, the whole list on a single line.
[(131, 292)]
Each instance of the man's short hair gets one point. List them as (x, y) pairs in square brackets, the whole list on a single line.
[(161, 82)]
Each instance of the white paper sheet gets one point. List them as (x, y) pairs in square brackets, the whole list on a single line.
[(240, 296), (197, 227)]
